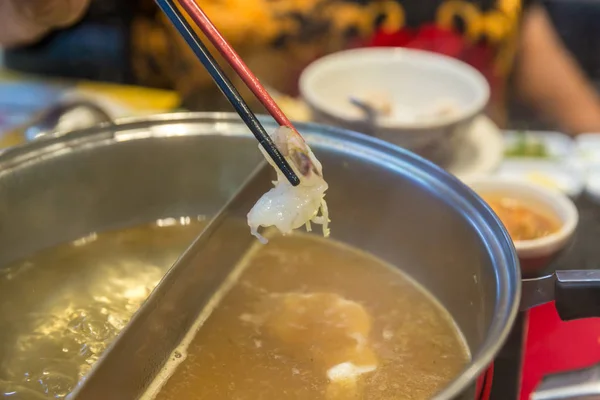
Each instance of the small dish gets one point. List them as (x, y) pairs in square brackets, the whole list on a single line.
[(537, 253)]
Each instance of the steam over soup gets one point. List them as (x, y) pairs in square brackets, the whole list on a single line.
[(309, 318), (522, 221)]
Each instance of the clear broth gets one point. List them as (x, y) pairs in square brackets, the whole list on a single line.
[(296, 310), (66, 304)]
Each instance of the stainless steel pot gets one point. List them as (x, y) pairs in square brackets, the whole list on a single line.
[(383, 199)]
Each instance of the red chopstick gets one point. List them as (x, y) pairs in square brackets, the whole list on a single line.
[(232, 58)]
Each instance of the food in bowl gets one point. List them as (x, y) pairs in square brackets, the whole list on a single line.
[(288, 207), (440, 109), (309, 318), (522, 221), (540, 220), (378, 104), (385, 109), (527, 146)]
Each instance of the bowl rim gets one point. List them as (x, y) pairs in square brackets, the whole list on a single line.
[(546, 245), (395, 53)]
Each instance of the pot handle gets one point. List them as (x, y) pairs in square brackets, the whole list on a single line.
[(48, 120), (582, 384), (577, 294)]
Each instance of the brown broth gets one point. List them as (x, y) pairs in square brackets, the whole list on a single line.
[(296, 311), (522, 221)]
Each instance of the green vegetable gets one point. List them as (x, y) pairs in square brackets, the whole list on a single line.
[(527, 146)]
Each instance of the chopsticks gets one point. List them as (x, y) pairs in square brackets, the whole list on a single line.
[(226, 86), (212, 33)]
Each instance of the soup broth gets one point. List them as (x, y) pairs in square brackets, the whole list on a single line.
[(311, 319), (62, 307)]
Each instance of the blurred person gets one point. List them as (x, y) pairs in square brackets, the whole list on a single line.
[(512, 42), (29, 20)]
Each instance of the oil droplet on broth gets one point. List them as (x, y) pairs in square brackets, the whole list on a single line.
[(326, 327)]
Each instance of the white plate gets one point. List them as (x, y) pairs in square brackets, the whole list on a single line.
[(592, 186), (561, 175), (479, 153), (587, 148)]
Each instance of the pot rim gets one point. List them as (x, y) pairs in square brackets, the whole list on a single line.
[(431, 177)]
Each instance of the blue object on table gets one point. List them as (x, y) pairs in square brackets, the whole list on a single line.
[(19, 101)]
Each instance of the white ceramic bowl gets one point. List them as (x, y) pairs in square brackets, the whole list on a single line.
[(535, 254), (414, 82)]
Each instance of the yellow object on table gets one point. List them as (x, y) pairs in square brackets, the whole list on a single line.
[(138, 99)]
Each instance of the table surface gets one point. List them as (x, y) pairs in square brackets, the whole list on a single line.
[(585, 251)]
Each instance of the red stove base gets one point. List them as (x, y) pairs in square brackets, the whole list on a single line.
[(484, 384), (553, 345)]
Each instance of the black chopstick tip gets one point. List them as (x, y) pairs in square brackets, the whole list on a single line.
[(281, 163), (294, 180)]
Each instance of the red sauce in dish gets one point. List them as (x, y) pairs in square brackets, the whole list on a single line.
[(523, 222)]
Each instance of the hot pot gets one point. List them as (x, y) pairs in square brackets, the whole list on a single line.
[(383, 199)]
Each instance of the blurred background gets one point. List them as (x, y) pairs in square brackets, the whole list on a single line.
[(576, 21), (577, 24), (97, 49)]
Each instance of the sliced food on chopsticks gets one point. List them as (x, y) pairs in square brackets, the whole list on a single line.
[(297, 197), (288, 207)]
